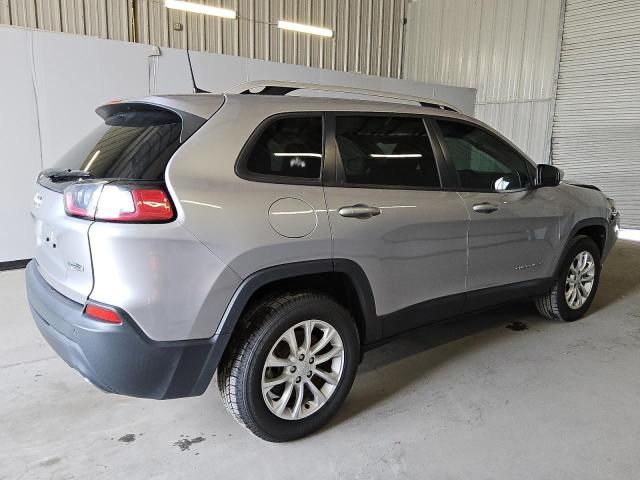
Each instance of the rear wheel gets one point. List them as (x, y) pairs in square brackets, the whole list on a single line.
[(292, 369), (575, 287)]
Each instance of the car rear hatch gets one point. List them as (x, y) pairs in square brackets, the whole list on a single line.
[(62, 246), (115, 174)]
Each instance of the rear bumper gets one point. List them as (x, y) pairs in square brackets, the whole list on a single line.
[(120, 358)]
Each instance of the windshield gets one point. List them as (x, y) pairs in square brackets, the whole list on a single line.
[(134, 145)]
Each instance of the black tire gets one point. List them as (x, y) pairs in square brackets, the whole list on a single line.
[(553, 304), (241, 369)]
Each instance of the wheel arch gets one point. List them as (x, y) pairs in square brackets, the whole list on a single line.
[(594, 228), (597, 233), (342, 279)]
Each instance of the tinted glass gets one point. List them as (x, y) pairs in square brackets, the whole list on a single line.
[(289, 147), (393, 151), (132, 145), (483, 161)]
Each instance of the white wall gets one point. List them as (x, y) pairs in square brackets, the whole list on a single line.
[(507, 49), (51, 83), (20, 158)]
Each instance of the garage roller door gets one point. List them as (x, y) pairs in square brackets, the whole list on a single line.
[(596, 129)]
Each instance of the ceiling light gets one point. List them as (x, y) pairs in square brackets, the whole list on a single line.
[(298, 27), (198, 8)]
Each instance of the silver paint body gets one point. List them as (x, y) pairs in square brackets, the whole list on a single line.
[(176, 280)]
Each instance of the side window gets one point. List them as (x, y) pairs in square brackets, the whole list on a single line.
[(483, 161), (383, 150), (288, 147)]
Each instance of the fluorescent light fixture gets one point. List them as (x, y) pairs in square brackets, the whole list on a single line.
[(279, 154), (298, 27), (397, 155), (199, 8)]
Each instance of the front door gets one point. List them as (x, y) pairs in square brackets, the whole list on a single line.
[(514, 226), (389, 214)]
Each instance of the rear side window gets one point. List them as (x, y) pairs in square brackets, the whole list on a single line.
[(289, 148), (131, 144), (483, 161), (384, 150)]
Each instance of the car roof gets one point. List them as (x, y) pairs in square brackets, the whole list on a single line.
[(206, 104)]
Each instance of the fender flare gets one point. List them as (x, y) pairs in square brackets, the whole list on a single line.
[(587, 222), (251, 284), (219, 342)]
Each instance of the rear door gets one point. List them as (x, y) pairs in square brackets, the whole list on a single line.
[(389, 214), (513, 225)]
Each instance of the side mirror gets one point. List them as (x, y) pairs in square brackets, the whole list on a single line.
[(548, 175)]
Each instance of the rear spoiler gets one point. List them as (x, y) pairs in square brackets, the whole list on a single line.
[(190, 122)]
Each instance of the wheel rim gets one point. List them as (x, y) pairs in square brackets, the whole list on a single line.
[(302, 370), (580, 279)]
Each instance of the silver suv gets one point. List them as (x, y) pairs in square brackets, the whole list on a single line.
[(276, 238)]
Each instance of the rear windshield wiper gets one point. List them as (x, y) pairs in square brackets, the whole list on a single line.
[(64, 175)]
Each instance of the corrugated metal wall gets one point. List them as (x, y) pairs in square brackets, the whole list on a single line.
[(367, 33), (596, 130), (507, 49)]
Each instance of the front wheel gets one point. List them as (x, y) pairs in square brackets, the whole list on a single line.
[(293, 367), (575, 287)]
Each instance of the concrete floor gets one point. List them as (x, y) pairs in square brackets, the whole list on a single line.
[(468, 400)]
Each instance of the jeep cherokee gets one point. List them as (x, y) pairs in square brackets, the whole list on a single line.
[(275, 238)]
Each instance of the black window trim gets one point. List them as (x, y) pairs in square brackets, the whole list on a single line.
[(334, 173), (241, 162), (454, 184)]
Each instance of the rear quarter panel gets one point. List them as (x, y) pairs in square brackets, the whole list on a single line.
[(170, 283), (230, 215)]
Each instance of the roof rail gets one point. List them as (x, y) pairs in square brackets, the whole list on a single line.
[(279, 87)]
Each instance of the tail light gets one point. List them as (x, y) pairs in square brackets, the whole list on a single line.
[(118, 202)]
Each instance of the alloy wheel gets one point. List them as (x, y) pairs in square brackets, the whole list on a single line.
[(302, 369), (580, 279)]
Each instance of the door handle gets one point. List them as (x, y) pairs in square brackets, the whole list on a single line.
[(485, 207), (359, 211)]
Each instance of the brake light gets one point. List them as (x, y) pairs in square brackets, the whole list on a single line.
[(118, 203), (101, 313), (133, 205)]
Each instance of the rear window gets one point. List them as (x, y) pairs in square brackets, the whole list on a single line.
[(288, 148), (134, 145)]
